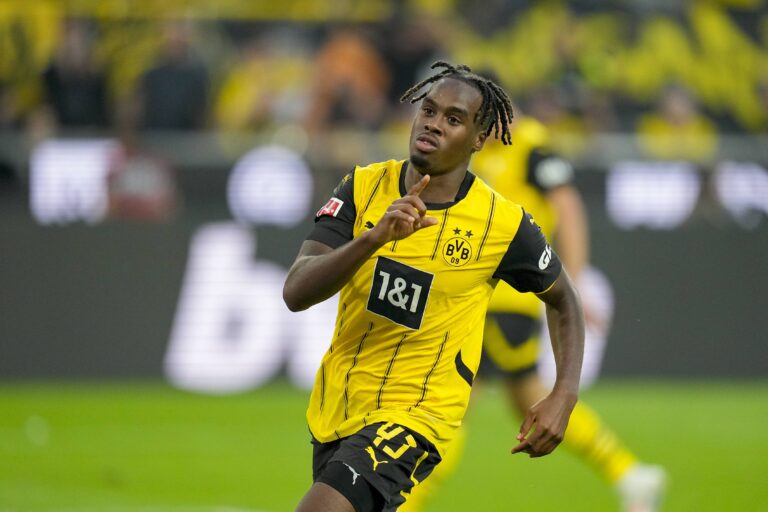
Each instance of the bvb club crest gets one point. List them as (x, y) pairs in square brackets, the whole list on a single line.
[(457, 251)]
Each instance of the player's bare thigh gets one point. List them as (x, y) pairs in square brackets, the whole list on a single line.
[(324, 498)]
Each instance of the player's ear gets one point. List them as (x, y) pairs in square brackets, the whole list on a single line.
[(479, 141)]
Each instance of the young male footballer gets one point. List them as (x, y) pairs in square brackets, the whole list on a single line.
[(416, 247)]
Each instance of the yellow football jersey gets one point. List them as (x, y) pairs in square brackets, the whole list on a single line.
[(409, 328)]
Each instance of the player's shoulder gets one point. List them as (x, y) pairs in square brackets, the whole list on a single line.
[(377, 168), (508, 212), (377, 176), (503, 204)]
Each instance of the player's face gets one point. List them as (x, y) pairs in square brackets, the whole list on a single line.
[(444, 134)]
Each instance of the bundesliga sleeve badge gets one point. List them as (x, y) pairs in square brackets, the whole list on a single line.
[(331, 208)]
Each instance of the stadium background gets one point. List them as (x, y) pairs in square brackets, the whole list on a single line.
[(159, 166)]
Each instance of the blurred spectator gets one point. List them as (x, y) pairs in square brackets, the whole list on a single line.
[(762, 97), (600, 115), (568, 131), (74, 83), (10, 115), (140, 185), (173, 94), (266, 84), (8, 178), (494, 14), (677, 130), (9, 118), (350, 83), (413, 44)]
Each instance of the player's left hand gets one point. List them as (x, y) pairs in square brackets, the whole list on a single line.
[(544, 426)]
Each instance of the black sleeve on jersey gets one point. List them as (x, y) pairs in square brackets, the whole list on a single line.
[(530, 264), (335, 230), (546, 170)]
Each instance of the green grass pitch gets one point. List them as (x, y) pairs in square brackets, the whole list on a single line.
[(145, 447)]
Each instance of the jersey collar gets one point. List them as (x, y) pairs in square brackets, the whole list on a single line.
[(469, 179)]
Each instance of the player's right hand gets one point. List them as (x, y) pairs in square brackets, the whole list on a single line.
[(404, 216)]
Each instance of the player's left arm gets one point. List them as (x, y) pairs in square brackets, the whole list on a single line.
[(544, 425), (530, 265)]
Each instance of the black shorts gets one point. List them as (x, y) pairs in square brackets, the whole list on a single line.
[(510, 345), (373, 466)]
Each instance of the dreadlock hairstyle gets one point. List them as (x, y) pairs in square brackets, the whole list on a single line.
[(495, 113)]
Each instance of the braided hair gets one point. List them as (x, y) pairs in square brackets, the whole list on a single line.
[(495, 112)]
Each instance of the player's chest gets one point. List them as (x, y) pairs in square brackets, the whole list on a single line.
[(452, 259), (459, 241)]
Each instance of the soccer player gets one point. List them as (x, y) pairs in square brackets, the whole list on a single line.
[(415, 248), (531, 174)]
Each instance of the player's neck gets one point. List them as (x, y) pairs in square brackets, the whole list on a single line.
[(442, 188)]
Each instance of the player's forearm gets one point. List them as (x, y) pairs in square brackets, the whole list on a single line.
[(568, 347), (314, 278), (566, 324)]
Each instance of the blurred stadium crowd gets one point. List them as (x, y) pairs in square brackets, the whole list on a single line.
[(186, 110), (695, 69)]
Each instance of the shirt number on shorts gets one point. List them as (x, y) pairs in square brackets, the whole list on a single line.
[(387, 435)]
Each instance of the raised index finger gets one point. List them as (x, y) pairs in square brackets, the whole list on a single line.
[(419, 186)]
